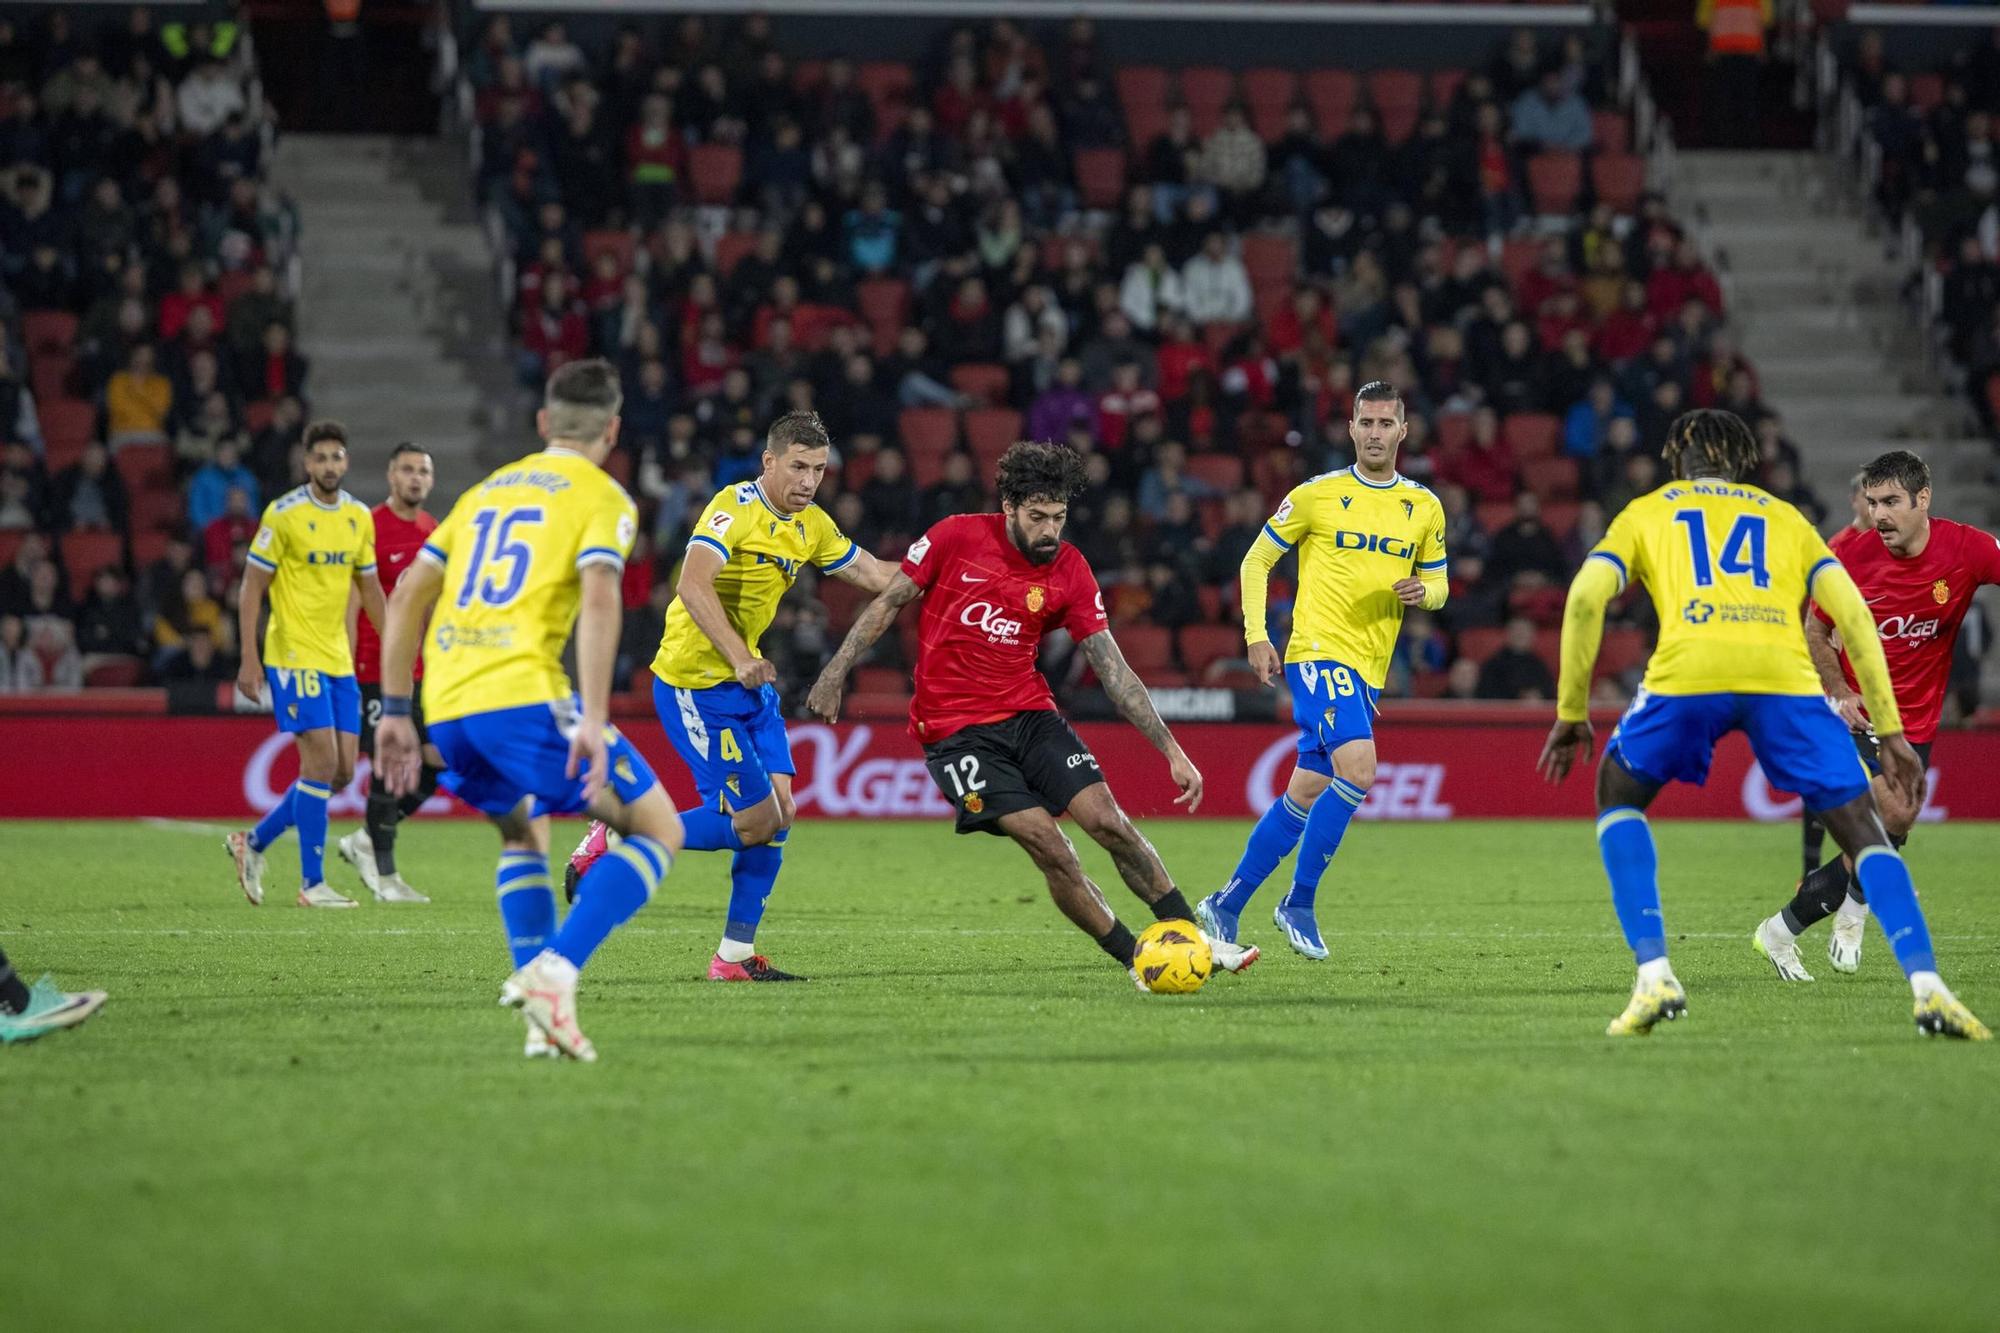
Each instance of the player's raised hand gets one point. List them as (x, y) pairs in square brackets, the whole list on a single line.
[(1264, 661), (756, 673), (398, 754), (1567, 740), (824, 700), (1903, 769), (1188, 778), (1848, 704), (588, 757), (1410, 591)]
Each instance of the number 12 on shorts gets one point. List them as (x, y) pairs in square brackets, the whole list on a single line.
[(964, 774)]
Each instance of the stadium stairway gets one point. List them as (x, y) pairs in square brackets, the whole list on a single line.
[(396, 310), (1819, 311)]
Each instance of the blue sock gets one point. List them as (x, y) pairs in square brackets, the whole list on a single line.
[(1277, 832), (609, 893), (710, 831), (527, 904), (309, 812), (1894, 898), (751, 874), (1625, 840), (275, 821), (1326, 824)]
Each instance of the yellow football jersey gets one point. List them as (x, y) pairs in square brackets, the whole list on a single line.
[(313, 552), (1355, 538), (511, 550), (1729, 568), (762, 551)]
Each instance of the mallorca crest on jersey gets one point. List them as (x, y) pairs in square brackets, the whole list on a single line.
[(1940, 592), (1035, 598), (974, 803)]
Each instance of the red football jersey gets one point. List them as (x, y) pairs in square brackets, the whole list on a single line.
[(1918, 605), (986, 608), (396, 546)]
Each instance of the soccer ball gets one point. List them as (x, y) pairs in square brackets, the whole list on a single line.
[(1172, 958)]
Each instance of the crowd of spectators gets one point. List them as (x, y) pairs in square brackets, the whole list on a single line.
[(1183, 274), (150, 393), (1938, 133)]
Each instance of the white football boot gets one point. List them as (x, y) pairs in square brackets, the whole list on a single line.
[(1843, 947), (1231, 957), (359, 852), (396, 889), (324, 895), (544, 990), (539, 1047), (249, 866), (1782, 947)]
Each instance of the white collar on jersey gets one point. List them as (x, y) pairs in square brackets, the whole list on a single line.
[(1390, 484), (573, 453), (318, 504)]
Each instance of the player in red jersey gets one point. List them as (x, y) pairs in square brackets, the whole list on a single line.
[(401, 525), (1918, 575), (995, 744)]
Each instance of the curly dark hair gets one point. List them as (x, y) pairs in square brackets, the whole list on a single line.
[(1034, 471), (1710, 442)]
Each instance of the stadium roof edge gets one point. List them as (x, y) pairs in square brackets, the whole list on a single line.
[(1926, 16), (1241, 11)]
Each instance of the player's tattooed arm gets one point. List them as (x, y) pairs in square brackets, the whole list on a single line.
[(872, 624), (1135, 704), (1826, 660)]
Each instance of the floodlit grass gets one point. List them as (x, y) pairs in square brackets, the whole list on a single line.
[(968, 1119)]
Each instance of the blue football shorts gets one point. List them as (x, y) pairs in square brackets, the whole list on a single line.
[(731, 739), (1799, 740), (313, 700), (494, 759), (1332, 705)]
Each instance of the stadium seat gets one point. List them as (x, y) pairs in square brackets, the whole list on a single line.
[(1142, 90), (49, 373), (1618, 179), (1550, 478), (145, 467), (1148, 648), (154, 510), (48, 331), (1210, 598), (1452, 432), (1331, 93), (59, 454), (1611, 131), (808, 74), (117, 673), (1519, 257), (1203, 644), (1269, 93), (887, 82), (69, 421), (1555, 179), (715, 170), (609, 241), (1493, 515), (1560, 518), (1444, 87), (1100, 176), (1269, 257), (232, 283), (1926, 91), (148, 545), (989, 432), (257, 414), (1143, 124), (1206, 89), (843, 602), (985, 380), (926, 469), (730, 249), (1481, 642), (1222, 471), (1398, 98), (10, 545), (86, 552), (1531, 435), (1267, 298), (885, 306), (930, 430)]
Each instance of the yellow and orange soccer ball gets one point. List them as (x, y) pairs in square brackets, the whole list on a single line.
[(1172, 958)]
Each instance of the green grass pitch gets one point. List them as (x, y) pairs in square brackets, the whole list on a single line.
[(969, 1120)]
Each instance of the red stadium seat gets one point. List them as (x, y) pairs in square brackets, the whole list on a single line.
[(1269, 257), (49, 373), (148, 545), (985, 380), (232, 283), (1267, 299), (59, 454), (1444, 86), (1926, 91), (1554, 181), (1399, 122), (257, 415), (1100, 176), (49, 331), (1560, 519), (731, 248), (1493, 515), (618, 243), (887, 82), (1481, 643), (1618, 180), (807, 75), (67, 420), (989, 433), (84, 553), (927, 430), (1395, 88), (1269, 94), (1531, 435), (118, 673), (1519, 257), (1141, 88), (1611, 131), (154, 511), (1222, 471), (843, 602), (1204, 644), (885, 306), (1452, 432), (1210, 597), (1550, 478), (926, 469), (1147, 648), (1206, 89), (145, 467), (10, 546), (1331, 93), (715, 170)]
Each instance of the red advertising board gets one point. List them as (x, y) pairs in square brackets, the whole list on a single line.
[(1435, 764)]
